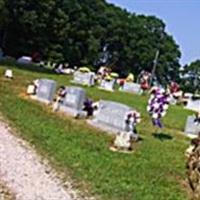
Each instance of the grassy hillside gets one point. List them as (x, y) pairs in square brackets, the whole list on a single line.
[(155, 171)]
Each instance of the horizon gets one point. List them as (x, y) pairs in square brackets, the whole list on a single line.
[(180, 18)]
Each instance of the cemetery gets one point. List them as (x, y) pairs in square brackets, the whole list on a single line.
[(70, 138), (99, 101)]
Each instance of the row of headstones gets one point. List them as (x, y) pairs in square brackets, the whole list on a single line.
[(89, 80), (191, 127), (109, 117)]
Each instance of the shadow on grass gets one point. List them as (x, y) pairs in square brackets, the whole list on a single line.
[(162, 136), (31, 67)]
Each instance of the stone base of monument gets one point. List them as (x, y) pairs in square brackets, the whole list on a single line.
[(120, 150), (106, 89), (84, 84), (192, 129), (34, 97), (79, 114), (102, 126)]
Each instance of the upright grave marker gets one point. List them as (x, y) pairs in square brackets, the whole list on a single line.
[(107, 85), (192, 128), (46, 90), (82, 78), (111, 116), (193, 105), (132, 88), (73, 101)]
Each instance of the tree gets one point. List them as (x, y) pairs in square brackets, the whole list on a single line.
[(191, 77), (78, 31)]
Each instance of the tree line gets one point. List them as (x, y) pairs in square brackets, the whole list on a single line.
[(88, 32)]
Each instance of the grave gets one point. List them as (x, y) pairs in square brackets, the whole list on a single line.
[(8, 74), (193, 105), (84, 78), (107, 85), (110, 116), (24, 60), (73, 101), (46, 90), (132, 88), (192, 129)]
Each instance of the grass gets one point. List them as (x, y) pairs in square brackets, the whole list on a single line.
[(155, 171)]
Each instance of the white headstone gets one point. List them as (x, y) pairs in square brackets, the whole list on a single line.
[(84, 78), (30, 89), (132, 88), (8, 73), (107, 85), (24, 60)]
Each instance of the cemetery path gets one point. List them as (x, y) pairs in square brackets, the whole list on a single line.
[(24, 172)]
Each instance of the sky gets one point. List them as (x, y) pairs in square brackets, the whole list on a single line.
[(182, 19)]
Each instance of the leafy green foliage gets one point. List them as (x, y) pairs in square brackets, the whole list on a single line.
[(191, 77), (77, 31)]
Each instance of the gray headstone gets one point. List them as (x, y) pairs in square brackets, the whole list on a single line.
[(84, 78), (192, 128), (193, 105), (111, 116), (73, 101), (46, 90), (107, 85), (132, 88)]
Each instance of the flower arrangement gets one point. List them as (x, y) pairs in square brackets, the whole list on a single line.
[(158, 105)]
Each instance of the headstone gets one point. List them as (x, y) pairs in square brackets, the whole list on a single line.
[(73, 101), (30, 90), (111, 116), (24, 60), (192, 128), (193, 105), (86, 78), (132, 88), (46, 90), (107, 85), (8, 73)]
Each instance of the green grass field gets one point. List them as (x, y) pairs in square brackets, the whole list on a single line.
[(155, 171)]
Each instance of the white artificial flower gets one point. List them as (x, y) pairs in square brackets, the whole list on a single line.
[(155, 116), (166, 106)]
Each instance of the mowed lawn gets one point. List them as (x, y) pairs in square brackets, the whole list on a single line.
[(155, 171)]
